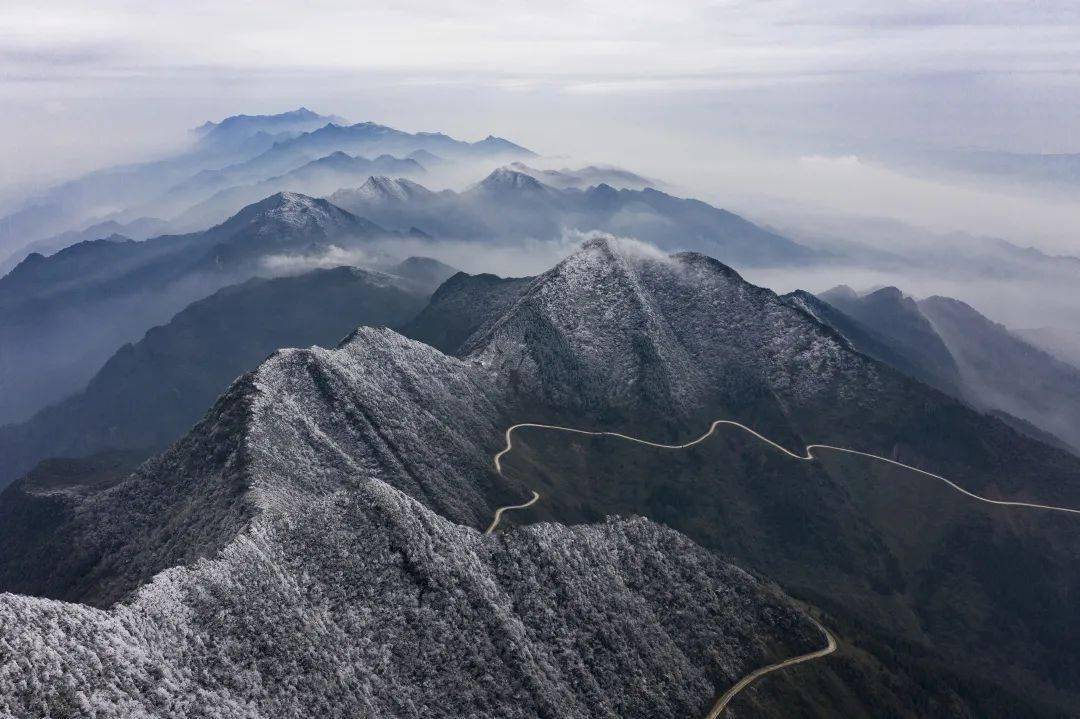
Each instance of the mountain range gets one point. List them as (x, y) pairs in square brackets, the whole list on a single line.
[(318, 177), (62, 316), (585, 177), (149, 393), (951, 346), (509, 205), (128, 287), (325, 515), (240, 150), (88, 199)]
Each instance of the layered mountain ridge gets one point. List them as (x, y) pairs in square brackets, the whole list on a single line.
[(289, 482), (239, 151), (122, 288), (615, 337), (512, 205), (149, 393), (950, 345)]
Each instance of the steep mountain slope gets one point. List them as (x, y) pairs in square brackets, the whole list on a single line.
[(62, 316), (862, 337), (1004, 371), (657, 347), (915, 344), (890, 341), (461, 307), (149, 393), (297, 484), (509, 205), (366, 601)]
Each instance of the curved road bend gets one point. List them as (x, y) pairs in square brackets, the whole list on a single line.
[(510, 507), (830, 647), (723, 701)]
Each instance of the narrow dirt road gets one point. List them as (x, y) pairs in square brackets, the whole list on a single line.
[(507, 508), (723, 701), (807, 457)]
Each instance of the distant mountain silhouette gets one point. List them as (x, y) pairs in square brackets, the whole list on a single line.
[(62, 316), (511, 206)]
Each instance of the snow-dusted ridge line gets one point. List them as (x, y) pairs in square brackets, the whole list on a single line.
[(830, 647)]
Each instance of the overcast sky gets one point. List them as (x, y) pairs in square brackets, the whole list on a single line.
[(694, 87)]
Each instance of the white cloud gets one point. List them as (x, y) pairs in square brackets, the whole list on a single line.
[(333, 256), (561, 39)]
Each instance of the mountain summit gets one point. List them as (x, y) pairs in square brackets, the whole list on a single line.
[(288, 215), (386, 190), (504, 181)]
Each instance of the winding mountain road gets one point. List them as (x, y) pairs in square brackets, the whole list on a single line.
[(725, 699), (509, 507), (808, 456)]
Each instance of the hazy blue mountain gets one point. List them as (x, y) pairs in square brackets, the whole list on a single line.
[(949, 345), (918, 349), (239, 150), (318, 177), (62, 316), (587, 176), (149, 393), (1058, 341), (99, 195), (425, 158), (890, 340), (1003, 371), (510, 206), (426, 272), (138, 229), (368, 139), (237, 128)]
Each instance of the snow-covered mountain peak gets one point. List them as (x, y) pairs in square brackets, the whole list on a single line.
[(295, 209), (618, 324), (382, 189), (504, 178), (288, 215)]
